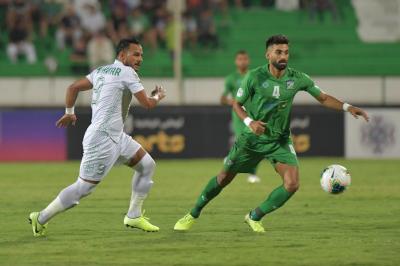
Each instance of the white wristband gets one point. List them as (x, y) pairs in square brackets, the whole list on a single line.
[(70, 110), (247, 121), (346, 107)]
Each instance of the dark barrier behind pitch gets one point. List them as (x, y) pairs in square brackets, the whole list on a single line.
[(204, 131)]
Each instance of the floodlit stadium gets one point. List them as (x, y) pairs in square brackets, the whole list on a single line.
[(187, 132)]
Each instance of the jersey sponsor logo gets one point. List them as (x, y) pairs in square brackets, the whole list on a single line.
[(270, 106), (239, 92), (289, 84), (282, 104), (265, 84)]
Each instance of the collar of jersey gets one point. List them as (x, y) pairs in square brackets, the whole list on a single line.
[(117, 62), (240, 74), (274, 78)]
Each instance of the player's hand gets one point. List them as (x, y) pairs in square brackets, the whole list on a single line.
[(160, 91), (356, 112), (258, 127), (66, 120)]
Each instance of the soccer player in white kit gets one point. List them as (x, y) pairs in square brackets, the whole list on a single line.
[(105, 144)]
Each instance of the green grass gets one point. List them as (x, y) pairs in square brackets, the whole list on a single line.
[(359, 227)]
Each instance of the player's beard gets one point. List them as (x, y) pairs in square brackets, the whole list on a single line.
[(280, 65)]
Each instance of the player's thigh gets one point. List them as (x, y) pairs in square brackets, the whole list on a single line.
[(128, 149), (240, 159), (99, 154)]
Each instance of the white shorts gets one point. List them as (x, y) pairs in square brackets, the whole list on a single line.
[(101, 153)]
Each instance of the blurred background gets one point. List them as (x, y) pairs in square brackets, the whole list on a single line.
[(351, 48)]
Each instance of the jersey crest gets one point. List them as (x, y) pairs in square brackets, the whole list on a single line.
[(239, 93), (289, 84)]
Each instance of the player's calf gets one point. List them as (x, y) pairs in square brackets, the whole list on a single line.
[(141, 185), (66, 199)]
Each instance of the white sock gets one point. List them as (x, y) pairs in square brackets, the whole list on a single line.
[(135, 206), (53, 209), (141, 184)]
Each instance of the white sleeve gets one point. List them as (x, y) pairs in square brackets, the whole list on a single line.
[(90, 77), (132, 81)]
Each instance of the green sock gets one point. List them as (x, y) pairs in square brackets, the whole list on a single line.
[(276, 199), (254, 170), (211, 190)]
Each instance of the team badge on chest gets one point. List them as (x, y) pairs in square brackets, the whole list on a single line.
[(289, 84)]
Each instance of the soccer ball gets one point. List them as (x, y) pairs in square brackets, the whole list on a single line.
[(335, 179)]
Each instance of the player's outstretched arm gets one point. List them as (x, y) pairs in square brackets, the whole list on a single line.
[(69, 118), (258, 127), (333, 103), (150, 102)]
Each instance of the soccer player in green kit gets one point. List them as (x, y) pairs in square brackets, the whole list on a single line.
[(270, 89), (232, 84)]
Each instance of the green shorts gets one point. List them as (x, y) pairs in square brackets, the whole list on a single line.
[(249, 150)]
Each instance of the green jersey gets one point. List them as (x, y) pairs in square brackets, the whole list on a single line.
[(269, 99), (232, 84)]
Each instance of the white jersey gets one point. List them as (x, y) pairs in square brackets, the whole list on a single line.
[(113, 86)]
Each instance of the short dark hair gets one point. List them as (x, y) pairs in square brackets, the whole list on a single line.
[(124, 44), (244, 52), (276, 39)]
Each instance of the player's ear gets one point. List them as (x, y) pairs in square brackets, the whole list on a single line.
[(267, 54), (119, 57)]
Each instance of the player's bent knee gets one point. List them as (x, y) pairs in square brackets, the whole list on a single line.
[(150, 163), (85, 188), (146, 164), (71, 195), (292, 185), (225, 178)]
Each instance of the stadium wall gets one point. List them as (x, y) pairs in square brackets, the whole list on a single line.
[(29, 134), (374, 90), (204, 131), (165, 132)]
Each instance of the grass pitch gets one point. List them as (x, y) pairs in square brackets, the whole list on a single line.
[(359, 227)]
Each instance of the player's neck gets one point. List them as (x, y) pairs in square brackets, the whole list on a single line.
[(276, 72), (242, 71)]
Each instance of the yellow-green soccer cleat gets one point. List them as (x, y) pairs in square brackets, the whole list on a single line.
[(140, 223), (185, 223), (256, 226), (37, 228)]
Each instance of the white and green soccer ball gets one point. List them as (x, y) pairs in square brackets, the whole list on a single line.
[(335, 179)]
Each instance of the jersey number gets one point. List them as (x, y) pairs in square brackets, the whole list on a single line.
[(276, 93), (97, 89)]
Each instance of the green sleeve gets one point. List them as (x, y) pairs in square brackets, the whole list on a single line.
[(227, 87), (246, 89), (310, 87)]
